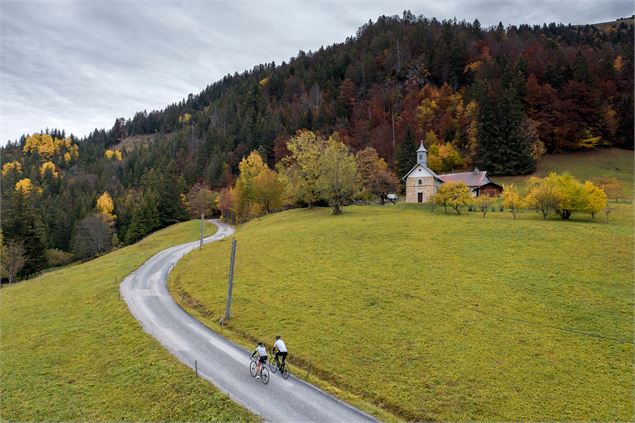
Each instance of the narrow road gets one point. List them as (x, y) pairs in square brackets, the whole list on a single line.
[(220, 361)]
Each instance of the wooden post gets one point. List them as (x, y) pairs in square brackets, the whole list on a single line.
[(230, 284), (202, 218), (196, 367)]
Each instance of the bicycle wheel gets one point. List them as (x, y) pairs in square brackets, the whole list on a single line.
[(285, 372), (252, 369), (273, 365), (264, 375)]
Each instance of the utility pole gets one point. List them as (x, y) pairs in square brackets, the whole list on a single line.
[(202, 218), (230, 284)]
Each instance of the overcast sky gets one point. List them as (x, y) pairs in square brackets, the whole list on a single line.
[(78, 65)]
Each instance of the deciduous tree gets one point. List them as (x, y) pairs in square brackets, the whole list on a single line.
[(92, 236), (512, 199), (543, 196), (338, 175), (453, 194), (13, 259)]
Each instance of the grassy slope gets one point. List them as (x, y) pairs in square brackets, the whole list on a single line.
[(456, 317), (613, 162), (437, 316), (71, 350)]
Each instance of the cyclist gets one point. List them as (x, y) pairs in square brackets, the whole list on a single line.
[(262, 357), (282, 351)]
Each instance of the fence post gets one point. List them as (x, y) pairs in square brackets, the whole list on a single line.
[(196, 368), (201, 243)]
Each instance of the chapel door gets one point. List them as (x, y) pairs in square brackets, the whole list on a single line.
[(419, 197)]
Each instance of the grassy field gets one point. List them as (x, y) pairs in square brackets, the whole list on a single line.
[(612, 162), (71, 350), (438, 317)]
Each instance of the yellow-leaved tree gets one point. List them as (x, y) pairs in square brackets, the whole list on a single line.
[(300, 170), (595, 199), (453, 194), (48, 167), (512, 199), (11, 166), (43, 144), (268, 189), (244, 196), (26, 187), (110, 154), (106, 207)]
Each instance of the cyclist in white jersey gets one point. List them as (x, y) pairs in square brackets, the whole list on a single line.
[(262, 357), (282, 349)]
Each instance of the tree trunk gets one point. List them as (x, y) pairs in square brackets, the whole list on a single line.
[(337, 210)]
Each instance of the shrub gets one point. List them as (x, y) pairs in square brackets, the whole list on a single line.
[(57, 257)]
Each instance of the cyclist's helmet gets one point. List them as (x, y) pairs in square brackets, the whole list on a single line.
[(260, 343), (277, 337)]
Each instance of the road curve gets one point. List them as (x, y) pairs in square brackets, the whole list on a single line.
[(220, 361)]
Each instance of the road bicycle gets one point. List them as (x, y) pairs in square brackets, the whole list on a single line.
[(276, 365), (264, 372)]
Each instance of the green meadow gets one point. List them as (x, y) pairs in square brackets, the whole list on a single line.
[(71, 350), (586, 166), (433, 316)]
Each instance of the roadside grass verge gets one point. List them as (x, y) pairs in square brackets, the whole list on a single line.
[(71, 350), (433, 316)]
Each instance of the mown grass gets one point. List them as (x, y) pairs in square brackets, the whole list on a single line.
[(439, 317), (71, 350), (612, 162)]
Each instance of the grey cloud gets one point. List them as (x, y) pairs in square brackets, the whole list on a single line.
[(78, 65)]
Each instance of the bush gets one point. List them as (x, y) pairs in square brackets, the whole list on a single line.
[(56, 257)]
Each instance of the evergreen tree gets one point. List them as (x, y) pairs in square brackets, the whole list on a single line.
[(406, 155), (145, 218), (502, 148), (22, 222)]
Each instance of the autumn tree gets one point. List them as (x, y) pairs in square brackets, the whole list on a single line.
[(453, 194), (337, 181), (483, 203), (301, 168), (543, 196), (225, 203), (613, 188), (245, 204), (268, 189), (105, 207), (373, 176), (512, 199), (595, 199), (201, 201)]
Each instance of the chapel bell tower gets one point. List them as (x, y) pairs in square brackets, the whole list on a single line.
[(422, 155)]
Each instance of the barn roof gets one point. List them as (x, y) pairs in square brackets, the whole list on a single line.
[(471, 179)]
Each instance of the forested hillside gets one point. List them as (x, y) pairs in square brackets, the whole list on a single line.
[(497, 98)]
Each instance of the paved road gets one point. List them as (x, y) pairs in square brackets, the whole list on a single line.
[(220, 361)]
